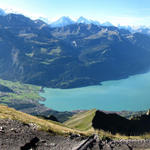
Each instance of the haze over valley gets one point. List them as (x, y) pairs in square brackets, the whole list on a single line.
[(72, 56), (74, 75)]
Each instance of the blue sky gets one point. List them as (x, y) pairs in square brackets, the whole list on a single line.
[(124, 12)]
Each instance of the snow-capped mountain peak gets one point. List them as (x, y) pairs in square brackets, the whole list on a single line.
[(107, 24), (87, 21), (83, 20), (63, 21), (2, 12)]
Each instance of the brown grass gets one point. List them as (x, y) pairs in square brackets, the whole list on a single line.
[(58, 128), (10, 113)]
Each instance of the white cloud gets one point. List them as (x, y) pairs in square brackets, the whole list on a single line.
[(127, 20), (8, 9)]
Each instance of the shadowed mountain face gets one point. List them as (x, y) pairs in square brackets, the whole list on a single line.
[(117, 124), (5, 89), (72, 56)]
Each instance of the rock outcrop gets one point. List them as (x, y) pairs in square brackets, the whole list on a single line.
[(15, 135), (116, 124)]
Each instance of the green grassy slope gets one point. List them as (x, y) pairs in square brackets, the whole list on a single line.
[(20, 92), (81, 121), (78, 124), (46, 125)]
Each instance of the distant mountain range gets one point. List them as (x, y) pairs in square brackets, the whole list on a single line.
[(71, 56), (140, 29), (64, 21)]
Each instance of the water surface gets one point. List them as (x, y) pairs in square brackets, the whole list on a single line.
[(132, 93)]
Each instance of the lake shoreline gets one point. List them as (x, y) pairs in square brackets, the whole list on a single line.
[(131, 94)]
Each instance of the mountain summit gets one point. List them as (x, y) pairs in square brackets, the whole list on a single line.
[(2, 12), (83, 20), (63, 21), (107, 24), (86, 21)]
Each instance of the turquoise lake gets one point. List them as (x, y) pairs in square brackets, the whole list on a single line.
[(132, 93)]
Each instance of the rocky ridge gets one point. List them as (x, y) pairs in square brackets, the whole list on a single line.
[(15, 135)]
